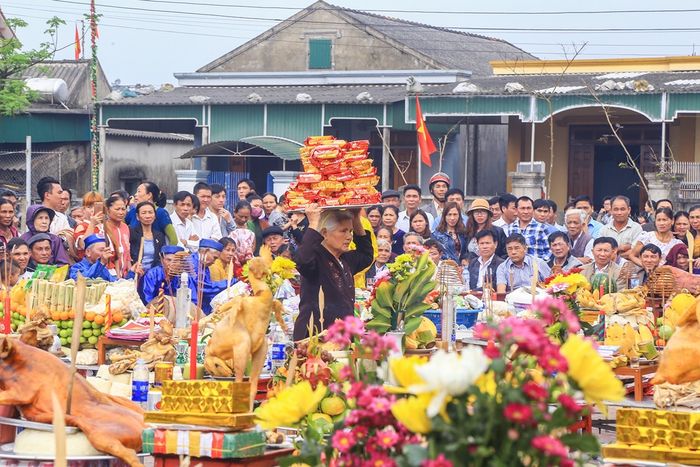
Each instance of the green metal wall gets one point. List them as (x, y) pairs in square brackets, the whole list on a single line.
[(294, 121), (45, 128), (233, 122), (354, 111), (647, 104), (152, 111)]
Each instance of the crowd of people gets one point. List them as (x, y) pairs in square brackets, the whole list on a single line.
[(503, 240)]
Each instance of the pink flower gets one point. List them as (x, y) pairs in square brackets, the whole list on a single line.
[(386, 438), (379, 460), (571, 320), (343, 441), (484, 331), (518, 413), (569, 403), (550, 446), (513, 434), (534, 391), (440, 461), (491, 350), (553, 361)]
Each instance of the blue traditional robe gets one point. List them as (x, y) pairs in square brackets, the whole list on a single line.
[(155, 279), (96, 270), (209, 288)]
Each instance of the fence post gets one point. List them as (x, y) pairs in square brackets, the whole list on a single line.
[(28, 170)]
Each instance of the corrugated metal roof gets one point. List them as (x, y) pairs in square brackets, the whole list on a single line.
[(149, 135), (75, 74), (222, 95)]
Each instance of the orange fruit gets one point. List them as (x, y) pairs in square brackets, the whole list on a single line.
[(13, 307), (117, 317), (56, 316), (71, 314), (64, 316), (90, 316), (99, 319)]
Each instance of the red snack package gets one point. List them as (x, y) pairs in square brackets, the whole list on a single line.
[(343, 176), (360, 145), (362, 182), (354, 157), (326, 151), (363, 164), (334, 168), (328, 186), (364, 173), (317, 140), (309, 177)]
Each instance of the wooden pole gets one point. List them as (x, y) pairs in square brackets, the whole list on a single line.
[(59, 430), (79, 307)]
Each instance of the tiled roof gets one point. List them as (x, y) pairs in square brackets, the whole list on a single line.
[(573, 84), (450, 48), (76, 74), (336, 94)]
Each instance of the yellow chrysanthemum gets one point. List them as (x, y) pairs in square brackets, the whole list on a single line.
[(487, 383), (573, 282), (284, 267), (592, 375), (412, 412), (289, 406), (404, 370)]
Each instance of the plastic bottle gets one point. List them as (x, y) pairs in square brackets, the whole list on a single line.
[(139, 383), (183, 300), (278, 343)]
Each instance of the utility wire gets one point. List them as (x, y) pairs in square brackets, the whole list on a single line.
[(404, 23)]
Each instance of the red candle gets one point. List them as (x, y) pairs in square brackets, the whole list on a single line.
[(6, 317), (601, 290), (193, 349)]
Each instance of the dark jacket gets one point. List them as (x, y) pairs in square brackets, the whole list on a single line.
[(319, 269), (59, 256), (474, 270), (500, 249), (135, 236)]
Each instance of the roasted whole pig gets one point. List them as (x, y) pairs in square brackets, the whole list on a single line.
[(29, 375)]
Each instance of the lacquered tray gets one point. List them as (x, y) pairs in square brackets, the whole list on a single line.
[(341, 206)]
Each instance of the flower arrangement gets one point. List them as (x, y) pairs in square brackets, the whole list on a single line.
[(281, 269), (568, 282), (397, 300), (492, 406)]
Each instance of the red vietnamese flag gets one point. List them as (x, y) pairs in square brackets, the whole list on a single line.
[(425, 142), (77, 44)]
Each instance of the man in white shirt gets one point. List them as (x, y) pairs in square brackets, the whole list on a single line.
[(206, 224), (184, 204), (411, 201), (623, 229), (49, 191), (509, 211)]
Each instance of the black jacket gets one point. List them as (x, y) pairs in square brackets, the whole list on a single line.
[(473, 269), (135, 236), (319, 269)]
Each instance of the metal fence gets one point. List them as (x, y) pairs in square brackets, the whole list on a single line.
[(15, 176)]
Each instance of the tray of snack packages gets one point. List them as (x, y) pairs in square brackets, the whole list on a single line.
[(337, 174)]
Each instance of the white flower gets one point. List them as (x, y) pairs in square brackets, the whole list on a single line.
[(450, 374)]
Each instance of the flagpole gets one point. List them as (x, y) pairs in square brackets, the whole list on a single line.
[(94, 141)]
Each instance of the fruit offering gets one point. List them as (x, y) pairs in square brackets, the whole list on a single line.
[(93, 327), (18, 305), (336, 173)]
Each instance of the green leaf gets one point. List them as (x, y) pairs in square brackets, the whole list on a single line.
[(583, 443), (415, 454), (412, 324)]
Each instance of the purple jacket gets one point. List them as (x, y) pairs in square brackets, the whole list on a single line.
[(59, 256)]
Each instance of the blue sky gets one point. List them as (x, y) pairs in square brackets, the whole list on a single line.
[(147, 47)]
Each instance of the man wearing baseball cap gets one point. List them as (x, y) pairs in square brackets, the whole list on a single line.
[(438, 186)]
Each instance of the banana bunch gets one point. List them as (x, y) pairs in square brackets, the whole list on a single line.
[(621, 302), (586, 299), (395, 303), (617, 361)]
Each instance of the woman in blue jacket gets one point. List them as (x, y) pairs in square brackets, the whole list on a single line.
[(451, 234)]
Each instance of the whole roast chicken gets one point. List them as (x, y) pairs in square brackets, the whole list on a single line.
[(29, 375), (680, 360)]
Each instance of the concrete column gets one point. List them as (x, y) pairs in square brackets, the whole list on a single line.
[(386, 158), (664, 186), (281, 181), (526, 184), (187, 179)]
